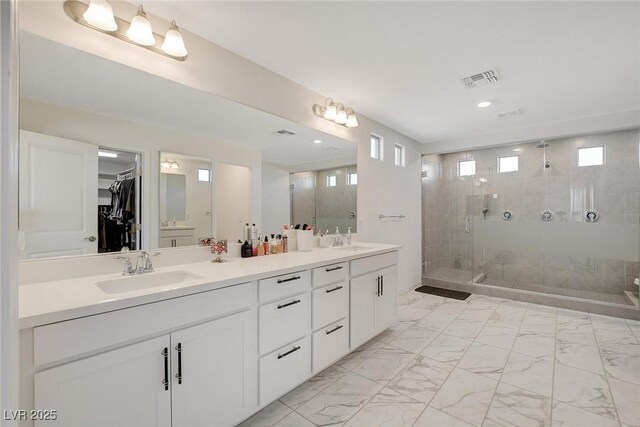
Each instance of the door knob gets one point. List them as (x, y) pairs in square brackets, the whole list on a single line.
[(90, 238)]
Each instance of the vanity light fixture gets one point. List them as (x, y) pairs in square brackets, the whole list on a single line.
[(165, 164), (98, 15), (337, 113)]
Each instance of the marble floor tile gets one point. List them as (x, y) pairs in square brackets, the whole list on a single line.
[(385, 364), (622, 361), (465, 395), (535, 344), (414, 339), (269, 416), (437, 322), (433, 418), (584, 390), (394, 332), (579, 351), (360, 354), (315, 385), (531, 373), (513, 406), (447, 349), (499, 335), (564, 415), (465, 328), (421, 379), (294, 420), (484, 360), (412, 313), (626, 397), (388, 409), (340, 401)]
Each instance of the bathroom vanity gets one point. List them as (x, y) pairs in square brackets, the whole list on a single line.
[(198, 343)]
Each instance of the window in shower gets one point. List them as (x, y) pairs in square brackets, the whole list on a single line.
[(331, 180), (591, 156), (508, 164), (376, 147), (466, 167)]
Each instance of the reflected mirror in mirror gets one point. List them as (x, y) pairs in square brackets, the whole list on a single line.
[(185, 199), (325, 198)]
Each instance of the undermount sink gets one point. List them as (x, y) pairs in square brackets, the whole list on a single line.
[(352, 248), (146, 281)]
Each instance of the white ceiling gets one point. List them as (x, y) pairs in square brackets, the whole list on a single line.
[(61, 75), (400, 62)]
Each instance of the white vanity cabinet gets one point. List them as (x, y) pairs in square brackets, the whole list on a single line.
[(172, 237), (373, 297)]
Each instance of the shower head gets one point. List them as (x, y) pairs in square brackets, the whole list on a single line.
[(542, 144)]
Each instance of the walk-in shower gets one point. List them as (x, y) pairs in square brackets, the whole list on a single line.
[(558, 218)]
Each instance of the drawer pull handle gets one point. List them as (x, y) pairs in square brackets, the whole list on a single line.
[(295, 301), (329, 270), (165, 380), (381, 285), (179, 374), (334, 329), (290, 279), (296, 348), (337, 288), (378, 291)]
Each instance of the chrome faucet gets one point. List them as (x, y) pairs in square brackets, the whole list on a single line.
[(128, 268), (339, 240), (144, 264)]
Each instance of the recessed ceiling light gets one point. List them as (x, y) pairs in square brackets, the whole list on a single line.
[(517, 149), (107, 154), (484, 104), (317, 141)]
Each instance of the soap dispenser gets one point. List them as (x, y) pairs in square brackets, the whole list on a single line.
[(348, 235)]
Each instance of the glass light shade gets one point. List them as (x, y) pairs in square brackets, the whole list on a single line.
[(352, 121), (341, 117), (331, 112), (173, 42), (140, 29), (99, 14)]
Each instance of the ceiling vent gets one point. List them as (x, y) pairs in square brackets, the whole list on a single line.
[(480, 79), (515, 112), (285, 132)]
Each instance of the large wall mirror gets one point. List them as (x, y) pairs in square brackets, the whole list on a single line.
[(112, 157)]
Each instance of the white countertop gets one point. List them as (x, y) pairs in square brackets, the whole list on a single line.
[(49, 302)]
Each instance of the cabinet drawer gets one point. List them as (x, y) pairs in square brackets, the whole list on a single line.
[(284, 369), (180, 232), (373, 263), (330, 274), (330, 304), (283, 321), (329, 344), (281, 286)]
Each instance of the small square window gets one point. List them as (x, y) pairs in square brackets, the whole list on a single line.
[(466, 167), (591, 156), (399, 155), (376, 147), (508, 164), (352, 178), (204, 175), (331, 180)]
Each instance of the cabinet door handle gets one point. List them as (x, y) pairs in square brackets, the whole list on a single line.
[(337, 288), (334, 329), (179, 374), (290, 279), (381, 285), (378, 290), (329, 270), (295, 301), (296, 348), (165, 380)]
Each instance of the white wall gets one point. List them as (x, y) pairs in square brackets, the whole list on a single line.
[(233, 200), (276, 201), (383, 188)]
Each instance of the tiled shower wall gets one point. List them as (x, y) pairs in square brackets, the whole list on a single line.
[(567, 253)]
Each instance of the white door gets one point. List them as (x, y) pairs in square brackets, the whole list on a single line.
[(215, 371), (58, 196), (386, 303), (362, 317), (122, 387)]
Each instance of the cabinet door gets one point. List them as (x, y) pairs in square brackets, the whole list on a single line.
[(217, 363), (184, 241), (363, 308), (122, 387), (386, 303)]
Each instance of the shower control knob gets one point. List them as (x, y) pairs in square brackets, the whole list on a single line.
[(507, 215), (591, 216), (546, 215)]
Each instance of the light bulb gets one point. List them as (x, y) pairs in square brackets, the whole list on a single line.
[(173, 42), (140, 29), (330, 112), (100, 15), (341, 117), (352, 121), (484, 104)]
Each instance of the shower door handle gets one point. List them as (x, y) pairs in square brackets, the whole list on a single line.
[(467, 223)]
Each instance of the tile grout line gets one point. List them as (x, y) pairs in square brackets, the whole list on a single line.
[(553, 370), (604, 368)]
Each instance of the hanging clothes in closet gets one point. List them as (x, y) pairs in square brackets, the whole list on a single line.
[(116, 221)]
